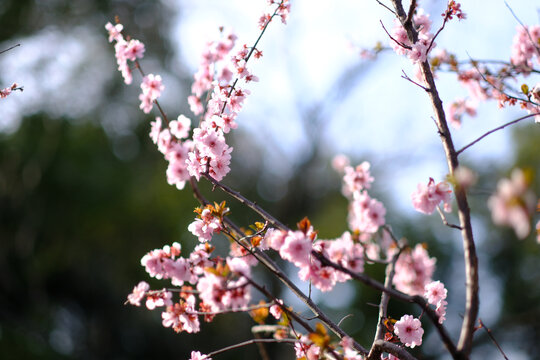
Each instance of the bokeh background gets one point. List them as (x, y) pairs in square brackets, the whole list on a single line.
[(83, 193)]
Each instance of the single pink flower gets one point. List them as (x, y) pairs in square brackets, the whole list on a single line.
[(409, 330)]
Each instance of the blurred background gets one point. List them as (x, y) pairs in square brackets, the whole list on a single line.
[(83, 192)]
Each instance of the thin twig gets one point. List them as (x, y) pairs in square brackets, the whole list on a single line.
[(397, 42), (482, 325), (252, 205), (496, 129), (445, 222), (14, 46), (249, 56), (386, 7), (497, 89), (406, 77), (251, 342), (525, 27)]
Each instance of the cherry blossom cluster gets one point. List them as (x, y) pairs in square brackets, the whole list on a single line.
[(453, 9), (414, 270), (283, 9), (409, 329), (435, 293), (525, 47), (124, 50), (513, 203), (426, 198), (220, 285), (418, 51), (485, 82), (366, 214), (220, 74), (6, 91)]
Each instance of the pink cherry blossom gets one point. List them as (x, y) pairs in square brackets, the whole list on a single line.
[(5, 92), (357, 179), (414, 270), (435, 292), (138, 293), (115, 31), (134, 50), (152, 86), (158, 299), (365, 214), (180, 127), (525, 47), (427, 197), (322, 277), (441, 310), (340, 162), (513, 203), (196, 355), (458, 108), (276, 310), (296, 248), (409, 330)]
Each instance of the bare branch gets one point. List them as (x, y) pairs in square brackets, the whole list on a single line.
[(394, 349), (386, 7), (251, 342), (445, 222), (406, 77), (496, 129), (12, 47), (235, 194), (397, 42), (488, 331)]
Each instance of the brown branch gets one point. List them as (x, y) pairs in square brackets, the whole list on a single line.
[(471, 261), (410, 15), (406, 77), (394, 349), (272, 266), (397, 42), (386, 7), (420, 301), (496, 129), (474, 64)]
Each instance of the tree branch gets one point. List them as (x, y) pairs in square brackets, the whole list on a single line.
[(471, 261), (494, 130)]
